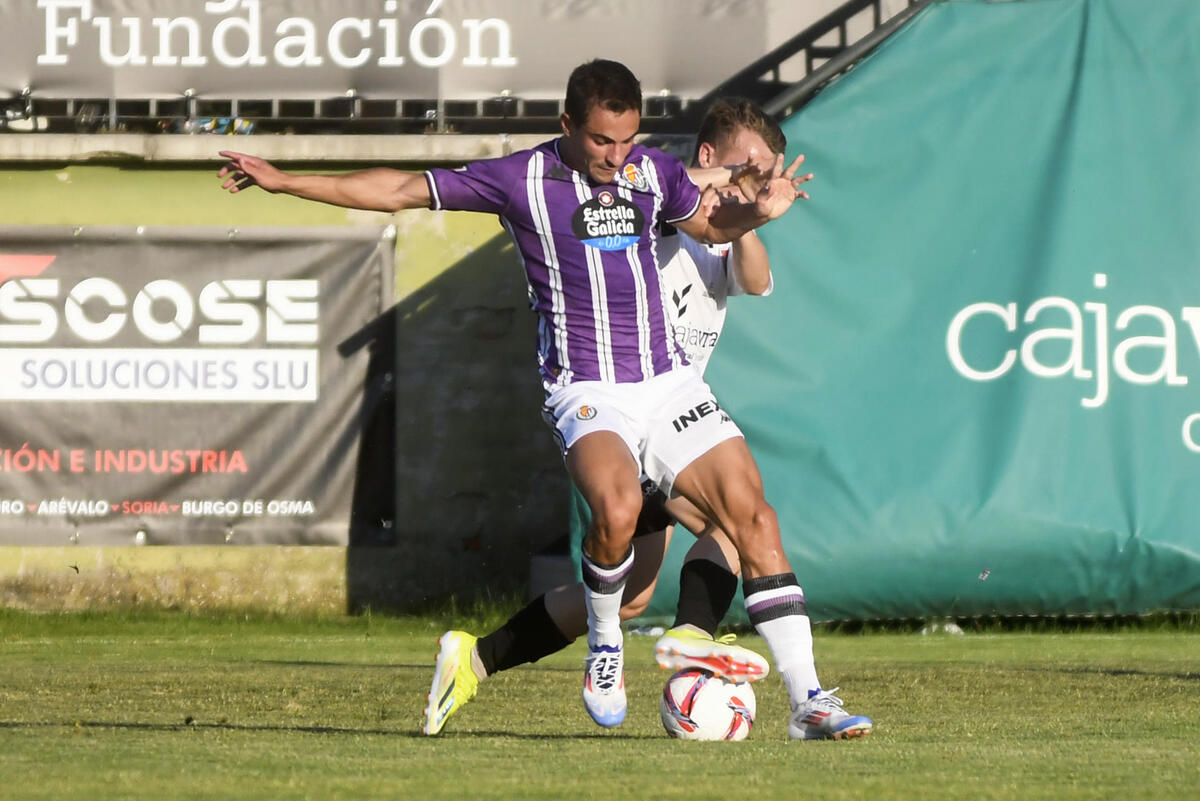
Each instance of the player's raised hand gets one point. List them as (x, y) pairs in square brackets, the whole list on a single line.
[(797, 180), (244, 171), (752, 177), (782, 190)]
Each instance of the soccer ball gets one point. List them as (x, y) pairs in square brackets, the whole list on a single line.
[(696, 705)]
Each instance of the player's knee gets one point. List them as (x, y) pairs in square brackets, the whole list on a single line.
[(616, 517)]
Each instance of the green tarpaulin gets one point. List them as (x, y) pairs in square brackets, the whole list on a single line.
[(976, 387)]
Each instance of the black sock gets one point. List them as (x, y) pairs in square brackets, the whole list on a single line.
[(706, 591), (527, 636)]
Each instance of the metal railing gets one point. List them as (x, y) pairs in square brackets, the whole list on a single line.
[(822, 60), (788, 101), (345, 114)]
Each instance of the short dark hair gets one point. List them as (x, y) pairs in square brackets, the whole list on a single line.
[(607, 84), (727, 114)]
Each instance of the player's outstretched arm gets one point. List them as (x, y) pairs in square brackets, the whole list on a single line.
[(377, 189), (728, 222), (749, 177)]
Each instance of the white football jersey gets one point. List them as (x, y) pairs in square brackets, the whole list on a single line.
[(697, 280)]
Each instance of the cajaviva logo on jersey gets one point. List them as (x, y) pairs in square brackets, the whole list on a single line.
[(608, 222), (76, 335)]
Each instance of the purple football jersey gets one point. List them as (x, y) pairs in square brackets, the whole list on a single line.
[(590, 253)]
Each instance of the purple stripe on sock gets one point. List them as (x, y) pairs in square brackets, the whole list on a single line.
[(606, 580), (779, 600), (768, 609)]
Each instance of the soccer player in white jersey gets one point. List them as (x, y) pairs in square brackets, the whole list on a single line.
[(585, 211)]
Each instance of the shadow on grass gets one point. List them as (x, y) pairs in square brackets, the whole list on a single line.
[(1099, 671), (168, 727), (355, 665), (241, 727), (595, 735), (396, 666)]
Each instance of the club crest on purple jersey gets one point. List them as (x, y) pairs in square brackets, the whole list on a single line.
[(635, 178)]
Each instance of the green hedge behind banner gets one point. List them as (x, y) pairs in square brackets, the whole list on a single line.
[(976, 387)]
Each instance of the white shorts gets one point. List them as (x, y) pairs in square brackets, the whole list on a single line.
[(667, 422)]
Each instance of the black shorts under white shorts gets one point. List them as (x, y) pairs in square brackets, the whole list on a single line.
[(654, 516)]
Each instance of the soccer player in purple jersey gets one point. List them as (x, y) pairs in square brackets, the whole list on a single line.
[(699, 279), (584, 211), (734, 135)]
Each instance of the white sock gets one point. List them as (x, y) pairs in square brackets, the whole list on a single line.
[(603, 588), (777, 610)]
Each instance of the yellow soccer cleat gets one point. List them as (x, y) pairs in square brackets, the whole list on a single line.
[(683, 648), (454, 682)]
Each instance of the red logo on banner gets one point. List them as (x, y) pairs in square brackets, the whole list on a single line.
[(23, 265)]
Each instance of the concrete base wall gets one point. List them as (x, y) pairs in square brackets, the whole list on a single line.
[(303, 580)]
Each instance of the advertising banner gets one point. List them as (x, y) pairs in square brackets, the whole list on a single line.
[(183, 385), (976, 387), (414, 49)]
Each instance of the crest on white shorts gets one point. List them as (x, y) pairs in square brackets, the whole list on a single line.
[(586, 412)]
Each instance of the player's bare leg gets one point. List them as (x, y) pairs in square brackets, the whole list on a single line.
[(606, 474), (725, 484)]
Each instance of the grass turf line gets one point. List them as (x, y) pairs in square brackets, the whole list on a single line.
[(164, 706)]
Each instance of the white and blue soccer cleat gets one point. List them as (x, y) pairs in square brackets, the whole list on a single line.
[(821, 717), (604, 684)]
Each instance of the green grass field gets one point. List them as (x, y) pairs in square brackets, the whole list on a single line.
[(171, 706)]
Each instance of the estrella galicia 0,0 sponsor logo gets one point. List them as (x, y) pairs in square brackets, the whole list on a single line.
[(608, 222)]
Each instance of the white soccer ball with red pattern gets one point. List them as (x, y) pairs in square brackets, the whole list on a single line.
[(696, 705)]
